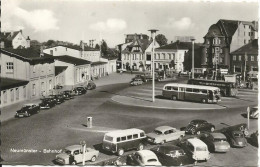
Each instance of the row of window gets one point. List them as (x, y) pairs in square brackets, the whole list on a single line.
[(239, 58), (134, 57), (215, 50), (187, 89), (129, 137), (15, 92)]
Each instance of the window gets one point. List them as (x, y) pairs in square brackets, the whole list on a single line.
[(234, 58), (221, 60), (164, 56), (248, 33), (118, 139), (12, 94), (66, 49), (50, 84), (24, 91), (10, 66), (51, 52), (55, 49), (34, 89), (5, 96), (168, 88), (217, 49), (239, 57), (188, 90), (76, 152), (206, 50), (141, 134), (34, 69), (17, 93), (170, 56), (135, 136), (221, 50), (123, 138), (196, 90), (175, 88), (245, 41), (204, 91), (129, 137), (252, 58), (212, 50)]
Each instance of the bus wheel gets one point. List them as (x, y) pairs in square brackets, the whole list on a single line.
[(203, 100), (174, 98), (140, 147), (120, 152)]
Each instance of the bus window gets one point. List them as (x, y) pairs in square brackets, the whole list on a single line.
[(129, 137), (204, 91), (168, 88), (135, 136), (118, 139), (175, 88), (188, 89), (123, 138), (196, 90), (142, 134)]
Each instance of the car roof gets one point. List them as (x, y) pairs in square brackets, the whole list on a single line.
[(198, 120), (217, 135), (125, 132), (29, 104), (164, 128), (195, 141), (74, 147), (147, 154)]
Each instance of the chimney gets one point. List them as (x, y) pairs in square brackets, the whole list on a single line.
[(21, 31), (28, 40), (41, 51)]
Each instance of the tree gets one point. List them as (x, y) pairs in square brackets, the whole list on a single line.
[(161, 39), (97, 46), (50, 42), (104, 47)]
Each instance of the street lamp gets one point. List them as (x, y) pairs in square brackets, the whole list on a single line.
[(153, 32), (83, 143), (192, 70)]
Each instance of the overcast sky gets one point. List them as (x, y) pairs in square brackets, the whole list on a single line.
[(75, 20)]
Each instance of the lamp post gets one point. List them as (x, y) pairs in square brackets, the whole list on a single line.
[(192, 70), (83, 143), (153, 32)]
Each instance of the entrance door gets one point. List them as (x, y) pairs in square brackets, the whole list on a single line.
[(181, 93)]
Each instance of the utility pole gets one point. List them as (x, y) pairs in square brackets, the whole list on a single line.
[(245, 68), (153, 32), (192, 70), (83, 143)]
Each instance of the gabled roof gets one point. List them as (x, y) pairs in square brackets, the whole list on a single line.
[(142, 43), (72, 60), (8, 83), (75, 47), (250, 48), (230, 26), (60, 69), (180, 46), (8, 35), (28, 54)]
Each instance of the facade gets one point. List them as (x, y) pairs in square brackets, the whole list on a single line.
[(244, 60), (73, 71), (14, 40), (21, 65), (224, 37)]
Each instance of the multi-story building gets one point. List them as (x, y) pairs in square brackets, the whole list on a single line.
[(31, 70), (244, 60), (224, 37), (14, 40)]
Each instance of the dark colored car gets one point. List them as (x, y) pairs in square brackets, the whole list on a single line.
[(47, 103), (235, 138), (239, 127), (91, 86), (254, 138), (58, 98), (216, 142), (67, 94), (197, 126), (27, 110), (80, 90), (170, 155)]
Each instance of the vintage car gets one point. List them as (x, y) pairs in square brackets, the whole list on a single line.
[(216, 142), (197, 126), (91, 86), (196, 149), (27, 110), (164, 134), (239, 127), (74, 154), (254, 138), (171, 155), (235, 138), (143, 158), (47, 103), (254, 112), (58, 98), (136, 81), (80, 90)]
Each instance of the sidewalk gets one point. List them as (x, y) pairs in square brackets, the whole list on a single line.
[(114, 78)]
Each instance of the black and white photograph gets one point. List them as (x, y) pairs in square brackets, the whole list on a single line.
[(129, 83)]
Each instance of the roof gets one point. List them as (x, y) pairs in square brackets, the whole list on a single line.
[(28, 54), (143, 43), (192, 86), (125, 132), (179, 46), (75, 47), (195, 141), (8, 35), (250, 48), (163, 128), (97, 63), (60, 69), (147, 153), (73, 147), (218, 135), (8, 83), (72, 60)]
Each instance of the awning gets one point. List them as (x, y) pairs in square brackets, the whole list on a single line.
[(8, 83)]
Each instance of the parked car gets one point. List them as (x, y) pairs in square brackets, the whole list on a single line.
[(143, 158), (47, 103), (254, 112), (58, 87), (136, 81), (196, 149), (171, 155), (27, 110), (80, 90), (91, 86), (58, 98), (67, 95), (216, 142), (164, 134), (254, 138), (239, 127), (74, 154), (197, 126), (235, 138)]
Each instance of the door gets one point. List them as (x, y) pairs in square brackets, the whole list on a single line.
[(181, 93), (77, 156)]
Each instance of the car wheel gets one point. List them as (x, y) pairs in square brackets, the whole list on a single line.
[(93, 159), (212, 129), (174, 98), (198, 132), (140, 147), (203, 100), (120, 152), (74, 163)]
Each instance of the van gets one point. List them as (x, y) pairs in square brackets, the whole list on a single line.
[(198, 149), (122, 140)]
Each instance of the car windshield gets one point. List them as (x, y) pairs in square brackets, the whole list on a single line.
[(152, 160), (108, 138), (157, 132), (219, 139), (67, 151), (201, 148), (238, 134), (27, 106)]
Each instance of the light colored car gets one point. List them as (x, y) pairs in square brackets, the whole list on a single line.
[(137, 81), (216, 142), (143, 158), (164, 134), (254, 112), (74, 154)]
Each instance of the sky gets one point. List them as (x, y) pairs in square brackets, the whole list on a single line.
[(75, 20)]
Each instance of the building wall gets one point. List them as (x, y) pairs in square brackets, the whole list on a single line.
[(238, 63), (98, 70), (111, 66), (61, 50), (13, 95), (19, 40)]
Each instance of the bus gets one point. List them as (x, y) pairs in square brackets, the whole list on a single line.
[(226, 88), (197, 93)]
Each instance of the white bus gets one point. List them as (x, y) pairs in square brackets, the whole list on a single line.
[(198, 93)]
